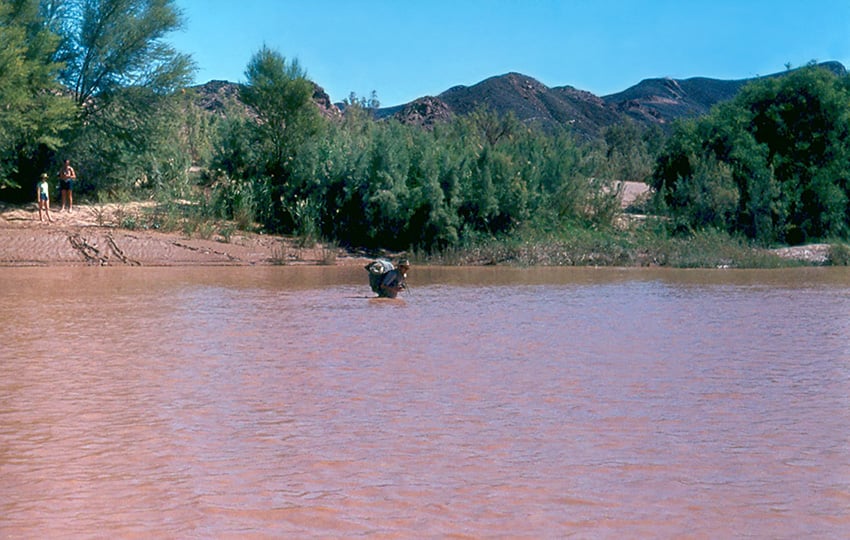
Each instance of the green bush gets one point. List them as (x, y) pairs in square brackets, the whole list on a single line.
[(839, 254)]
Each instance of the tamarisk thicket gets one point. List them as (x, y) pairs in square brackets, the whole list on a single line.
[(373, 184)]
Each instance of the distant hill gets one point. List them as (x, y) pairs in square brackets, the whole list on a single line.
[(533, 102), (664, 100), (657, 102)]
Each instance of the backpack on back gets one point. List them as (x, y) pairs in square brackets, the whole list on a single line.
[(376, 270)]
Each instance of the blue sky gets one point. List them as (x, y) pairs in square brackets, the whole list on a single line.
[(403, 50)]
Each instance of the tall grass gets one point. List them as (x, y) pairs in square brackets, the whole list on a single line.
[(647, 245)]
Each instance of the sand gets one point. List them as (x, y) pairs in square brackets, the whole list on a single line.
[(90, 235)]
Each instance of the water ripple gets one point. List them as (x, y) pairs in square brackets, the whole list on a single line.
[(242, 402)]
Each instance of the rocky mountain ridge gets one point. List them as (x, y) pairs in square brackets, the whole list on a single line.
[(651, 102)]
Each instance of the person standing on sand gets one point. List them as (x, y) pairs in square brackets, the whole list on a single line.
[(393, 281), (67, 175), (42, 197)]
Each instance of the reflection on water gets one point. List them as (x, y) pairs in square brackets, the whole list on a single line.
[(492, 402)]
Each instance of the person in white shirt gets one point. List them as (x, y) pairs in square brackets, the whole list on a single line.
[(43, 198)]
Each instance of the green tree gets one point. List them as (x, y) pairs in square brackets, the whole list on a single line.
[(280, 93), (345, 164), (629, 151), (125, 79), (710, 196), (33, 115), (113, 44), (785, 143), (134, 143), (803, 119)]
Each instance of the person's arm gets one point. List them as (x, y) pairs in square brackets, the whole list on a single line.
[(394, 282), (394, 289)]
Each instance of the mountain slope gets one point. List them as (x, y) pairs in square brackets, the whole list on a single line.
[(534, 103), (658, 101), (665, 100), (651, 102)]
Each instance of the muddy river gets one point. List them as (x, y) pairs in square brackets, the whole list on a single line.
[(486, 403)]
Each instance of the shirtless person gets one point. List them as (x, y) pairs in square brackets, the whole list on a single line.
[(67, 175)]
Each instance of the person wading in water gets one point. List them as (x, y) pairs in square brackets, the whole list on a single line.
[(388, 283), (393, 281)]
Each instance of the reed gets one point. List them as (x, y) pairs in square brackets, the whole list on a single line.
[(646, 246)]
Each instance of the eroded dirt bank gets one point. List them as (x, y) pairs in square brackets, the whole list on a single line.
[(88, 236)]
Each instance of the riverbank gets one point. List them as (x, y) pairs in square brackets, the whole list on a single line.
[(92, 235), (113, 234)]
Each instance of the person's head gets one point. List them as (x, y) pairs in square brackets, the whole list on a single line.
[(44, 176), (67, 162), (403, 264)]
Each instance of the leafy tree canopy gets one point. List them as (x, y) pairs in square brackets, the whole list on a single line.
[(281, 95), (33, 114), (773, 164), (111, 44)]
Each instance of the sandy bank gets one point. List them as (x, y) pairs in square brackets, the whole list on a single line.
[(89, 236)]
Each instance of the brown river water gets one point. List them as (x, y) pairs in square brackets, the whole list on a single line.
[(282, 402)]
